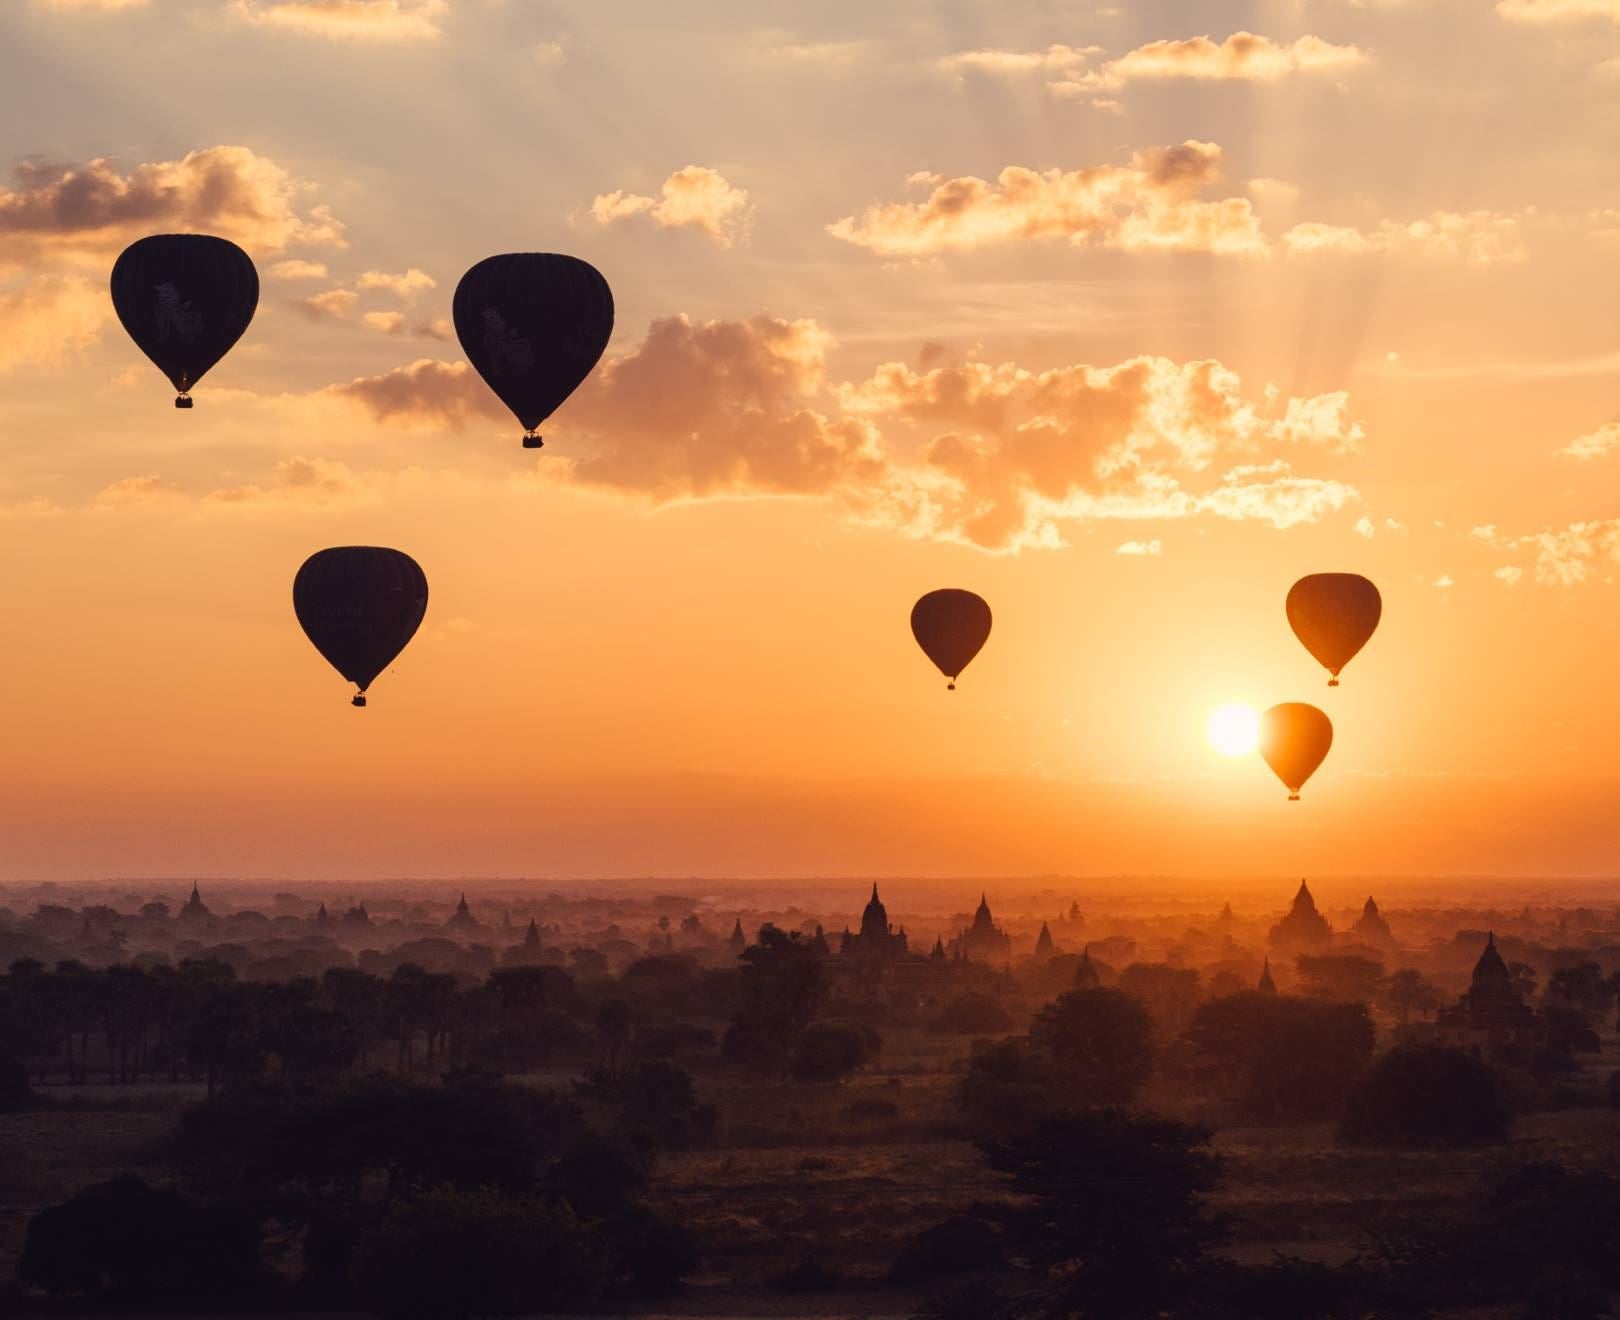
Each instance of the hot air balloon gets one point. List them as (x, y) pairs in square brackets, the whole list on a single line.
[(1294, 738), (951, 626), (185, 299), (1334, 614), (533, 324), (360, 605)]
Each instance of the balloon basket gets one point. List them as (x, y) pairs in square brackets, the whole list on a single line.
[(359, 699), (1333, 682), (532, 441), (1293, 797), (950, 687), (182, 401)]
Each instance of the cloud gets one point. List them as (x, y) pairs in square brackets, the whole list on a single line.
[(1243, 56), (148, 488), (1509, 576), (1015, 454), (355, 20), (298, 270), (1054, 59), (101, 6), (435, 327), (692, 198), (718, 408), (549, 54), (1596, 444), (1480, 238), (1571, 556), (1558, 11), (427, 393), (991, 455), (389, 323), (88, 211), (1364, 527), (299, 482), (49, 321), (1076, 73), (1150, 204), (405, 286), (333, 305), (1443, 581), (1153, 547)]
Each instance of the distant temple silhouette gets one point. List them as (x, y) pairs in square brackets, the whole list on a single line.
[(1267, 986), (984, 941), (738, 941), (1303, 927), (1085, 973), (1492, 1014), (463, 919), (1045, 949), (877, 941), (1372, 928), (195, 909)]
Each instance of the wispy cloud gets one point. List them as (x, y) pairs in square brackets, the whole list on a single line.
[(692, 198)]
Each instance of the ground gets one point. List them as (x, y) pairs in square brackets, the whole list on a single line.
[(798, 1176)]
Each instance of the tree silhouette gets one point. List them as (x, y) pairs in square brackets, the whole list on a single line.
[(1098, 1042)]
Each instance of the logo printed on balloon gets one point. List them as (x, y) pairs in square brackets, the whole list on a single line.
[(506, 348), (173, 315)]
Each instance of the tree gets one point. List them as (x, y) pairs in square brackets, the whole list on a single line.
[(784, 987), (1007, 1086), (1282, 1057), (123, 1242), (1116, 1211), (614, 1027), (973, 1014), (1170, 994), (830, 1051), (1346, 977), (451, 1255), (1406, 991), (1099, 1042), (1424, 1095)]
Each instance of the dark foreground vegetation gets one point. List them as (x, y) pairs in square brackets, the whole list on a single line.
[(776, 1131)]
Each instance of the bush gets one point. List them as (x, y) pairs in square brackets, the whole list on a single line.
[(449, 1255), (1099, 1042), (15, 1093), (972, 1015), (829, 1051), (124, 1241), (1424, 1095), (959, 1245)]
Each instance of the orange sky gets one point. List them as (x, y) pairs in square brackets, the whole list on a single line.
[(1119, 318)]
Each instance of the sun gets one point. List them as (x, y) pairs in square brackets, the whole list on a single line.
[(1233, 729)]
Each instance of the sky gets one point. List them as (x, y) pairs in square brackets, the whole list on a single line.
[(1124, 317)]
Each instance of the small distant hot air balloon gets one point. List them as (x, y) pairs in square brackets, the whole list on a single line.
[(360, 605), (951, 626), (1334, 614), (185, 299), (1294, 739), (533, 324)]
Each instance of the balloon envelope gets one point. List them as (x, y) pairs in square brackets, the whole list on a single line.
[(185, 299), (533, 324), (951, 626), (1294, 739), (360, 605), (1334, 614)]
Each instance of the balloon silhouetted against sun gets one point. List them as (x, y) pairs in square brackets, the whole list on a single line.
[(360, 605), (1334, 614), (1294, 739), (533, 324), (185, 299), (951, 626)]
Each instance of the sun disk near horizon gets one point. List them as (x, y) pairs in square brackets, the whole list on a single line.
[(1233, 729)]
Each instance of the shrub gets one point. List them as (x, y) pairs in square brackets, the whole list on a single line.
[(122, 1240), (972, 1015), (1099, 1042), (1424, 1095), (828, 1051), (449, 1255)]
